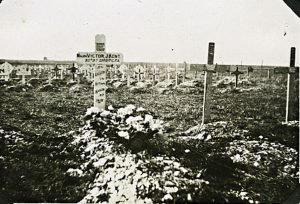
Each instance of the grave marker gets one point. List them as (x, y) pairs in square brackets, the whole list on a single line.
[(236, 73), (209, 70), (79, 77), (49, 78), (5, 71), (100, 61), (123, 69), (154, 73), (184, 71), (290, 71), (73, 70), (139, 71), (169, 73), (56, 69), (23, 71), (176, 74), (100, 43), (249, 69), (128, 73)]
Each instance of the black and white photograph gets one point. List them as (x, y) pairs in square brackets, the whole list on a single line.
[(149, 101)]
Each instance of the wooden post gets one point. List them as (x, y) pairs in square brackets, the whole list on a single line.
[(207, 85), (290, 114), (49, 78), (61, 74), (184, 72), (176, 75), (269, 74), (23, 79), (154, 74)]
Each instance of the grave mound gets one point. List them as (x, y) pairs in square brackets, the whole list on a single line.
[(47, 87), (192, 83), (126, 173), (19, 87), (165, 84)]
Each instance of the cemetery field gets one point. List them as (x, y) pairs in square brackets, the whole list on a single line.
[(245, 154)]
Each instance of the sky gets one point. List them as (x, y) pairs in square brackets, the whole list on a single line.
[(245, 32)]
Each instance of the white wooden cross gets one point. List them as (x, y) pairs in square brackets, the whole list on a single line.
[(209, 70), (290, 71), (100, 61), (154, 73), (123, 69), (168, 71), (23, 71), (5, 71)]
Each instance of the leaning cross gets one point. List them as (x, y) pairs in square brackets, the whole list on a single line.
[(236, 73), (290, 112), (209, 70)]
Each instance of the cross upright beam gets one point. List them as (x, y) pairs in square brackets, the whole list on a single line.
[(290, 95), (290, 114), (236, 73), (207, 84)]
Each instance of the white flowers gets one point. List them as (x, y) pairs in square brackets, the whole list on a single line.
[(92, 110), (122, 112), (124, 135)]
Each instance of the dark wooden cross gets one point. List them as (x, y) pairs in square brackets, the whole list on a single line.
[(56, 69), (236, 73), (139, 73), (73, 70), (249, 69)]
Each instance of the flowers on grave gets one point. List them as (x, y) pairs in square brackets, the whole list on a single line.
[(130, 125)]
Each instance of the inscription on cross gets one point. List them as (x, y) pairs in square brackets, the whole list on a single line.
[(100, 60), (236, 73)]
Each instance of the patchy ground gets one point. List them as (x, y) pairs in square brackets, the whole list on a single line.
[(245, 145)]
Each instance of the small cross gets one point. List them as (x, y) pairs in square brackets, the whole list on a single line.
[(236, 73), (73, 70), (56, 69), (139, 73), (154, 74)]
